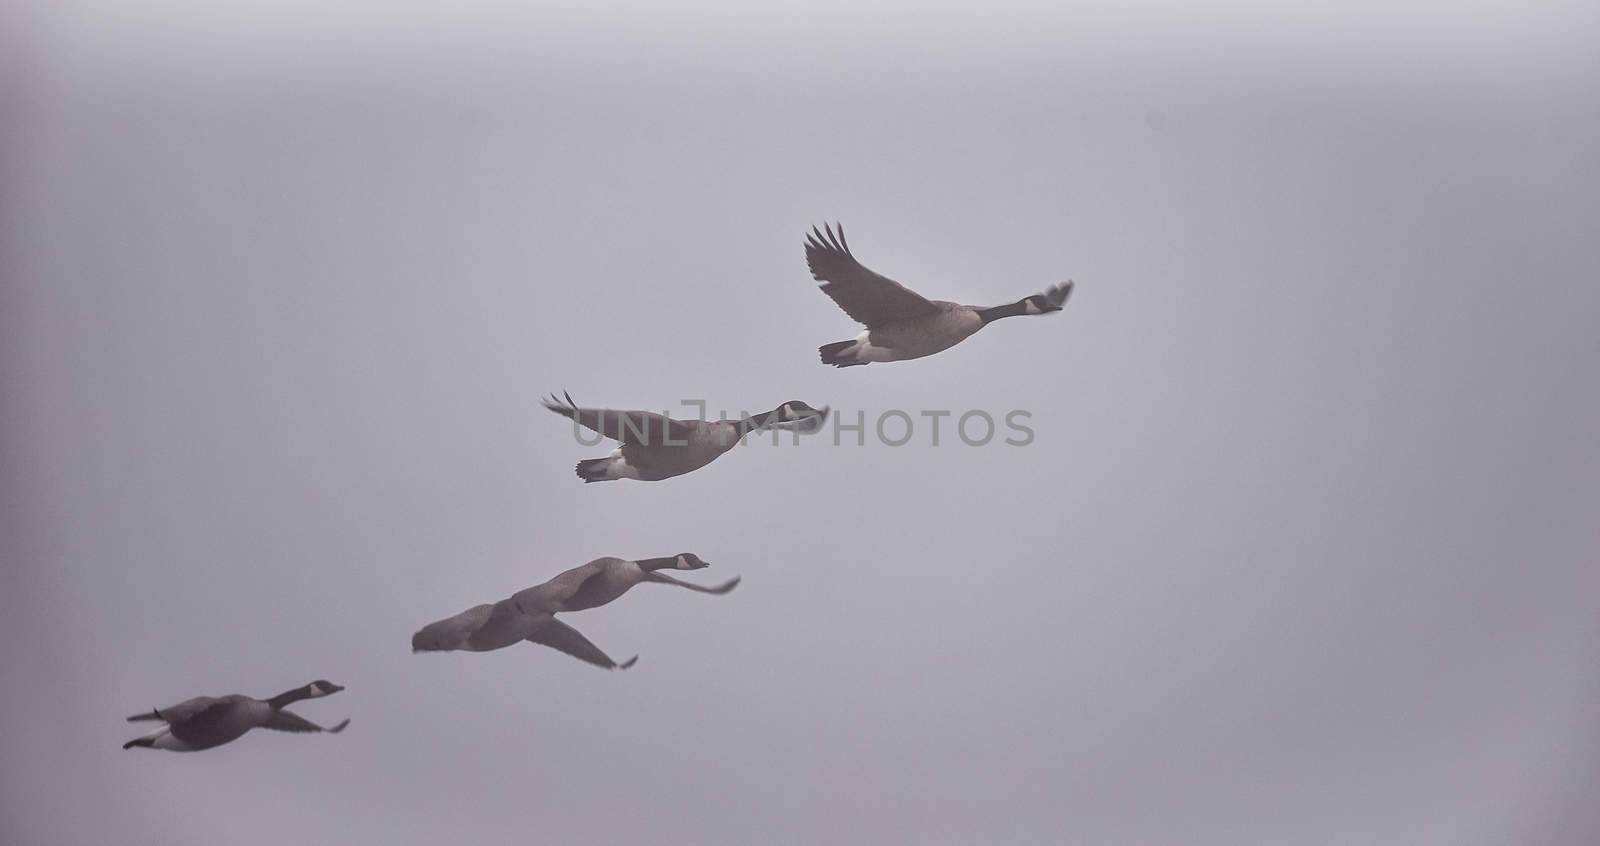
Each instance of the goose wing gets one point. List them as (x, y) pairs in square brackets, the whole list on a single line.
[(208, 724), (507, 624), (870, 299), (554, 595), (718, 590), (564, 638), (641, 428), (179, 712), (289, 721)]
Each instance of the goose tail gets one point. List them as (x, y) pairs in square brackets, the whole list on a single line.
[(839, 354), (594, 469), (613, 466)]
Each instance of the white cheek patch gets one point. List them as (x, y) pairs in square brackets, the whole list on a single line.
[(1033, 308), (683, 563)]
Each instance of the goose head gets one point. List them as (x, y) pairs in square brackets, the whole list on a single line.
[(1048, 302), (796, 410), (797, 416), (1051, 300), (689, 561), (1038, 304), (321, 687)]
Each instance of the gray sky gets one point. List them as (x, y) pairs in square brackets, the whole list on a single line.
[(1304, 549)]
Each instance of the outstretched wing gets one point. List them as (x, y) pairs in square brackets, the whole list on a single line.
[(564, 638), (210, 725), (179, 712), (289, 721), (668, 580), (642, 428), (558, 593), (870, 299), (507, 625)]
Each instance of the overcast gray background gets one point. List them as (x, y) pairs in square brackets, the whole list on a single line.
[(1305, 549)]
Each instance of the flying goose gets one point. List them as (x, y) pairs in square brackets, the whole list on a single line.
[(485, 628), (207, 721), (530, 614), (900, 323), (604, 579), (656, 447)]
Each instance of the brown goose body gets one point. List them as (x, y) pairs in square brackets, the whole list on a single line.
[(655, 447), (901, 324), (205, 722), (531, 614)]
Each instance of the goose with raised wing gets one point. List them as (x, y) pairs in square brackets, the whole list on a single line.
[(656, 447), (901, 324), (529, 615), (207, 721)]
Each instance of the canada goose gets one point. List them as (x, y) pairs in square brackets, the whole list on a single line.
[(530, 614), (485, 628), (900, 323), (206, 721), (604, 579), (656, 447)]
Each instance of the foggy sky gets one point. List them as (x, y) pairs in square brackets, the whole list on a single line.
[(1304, 549)]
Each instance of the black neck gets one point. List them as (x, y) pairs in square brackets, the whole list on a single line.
[(989, 315), (650, 565), (289, 697)]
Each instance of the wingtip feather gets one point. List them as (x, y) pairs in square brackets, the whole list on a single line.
[(553, 403)]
